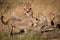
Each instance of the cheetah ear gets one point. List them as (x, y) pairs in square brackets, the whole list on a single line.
[(29, 3)]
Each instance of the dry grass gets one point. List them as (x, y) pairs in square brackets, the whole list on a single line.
[(45, 6)]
